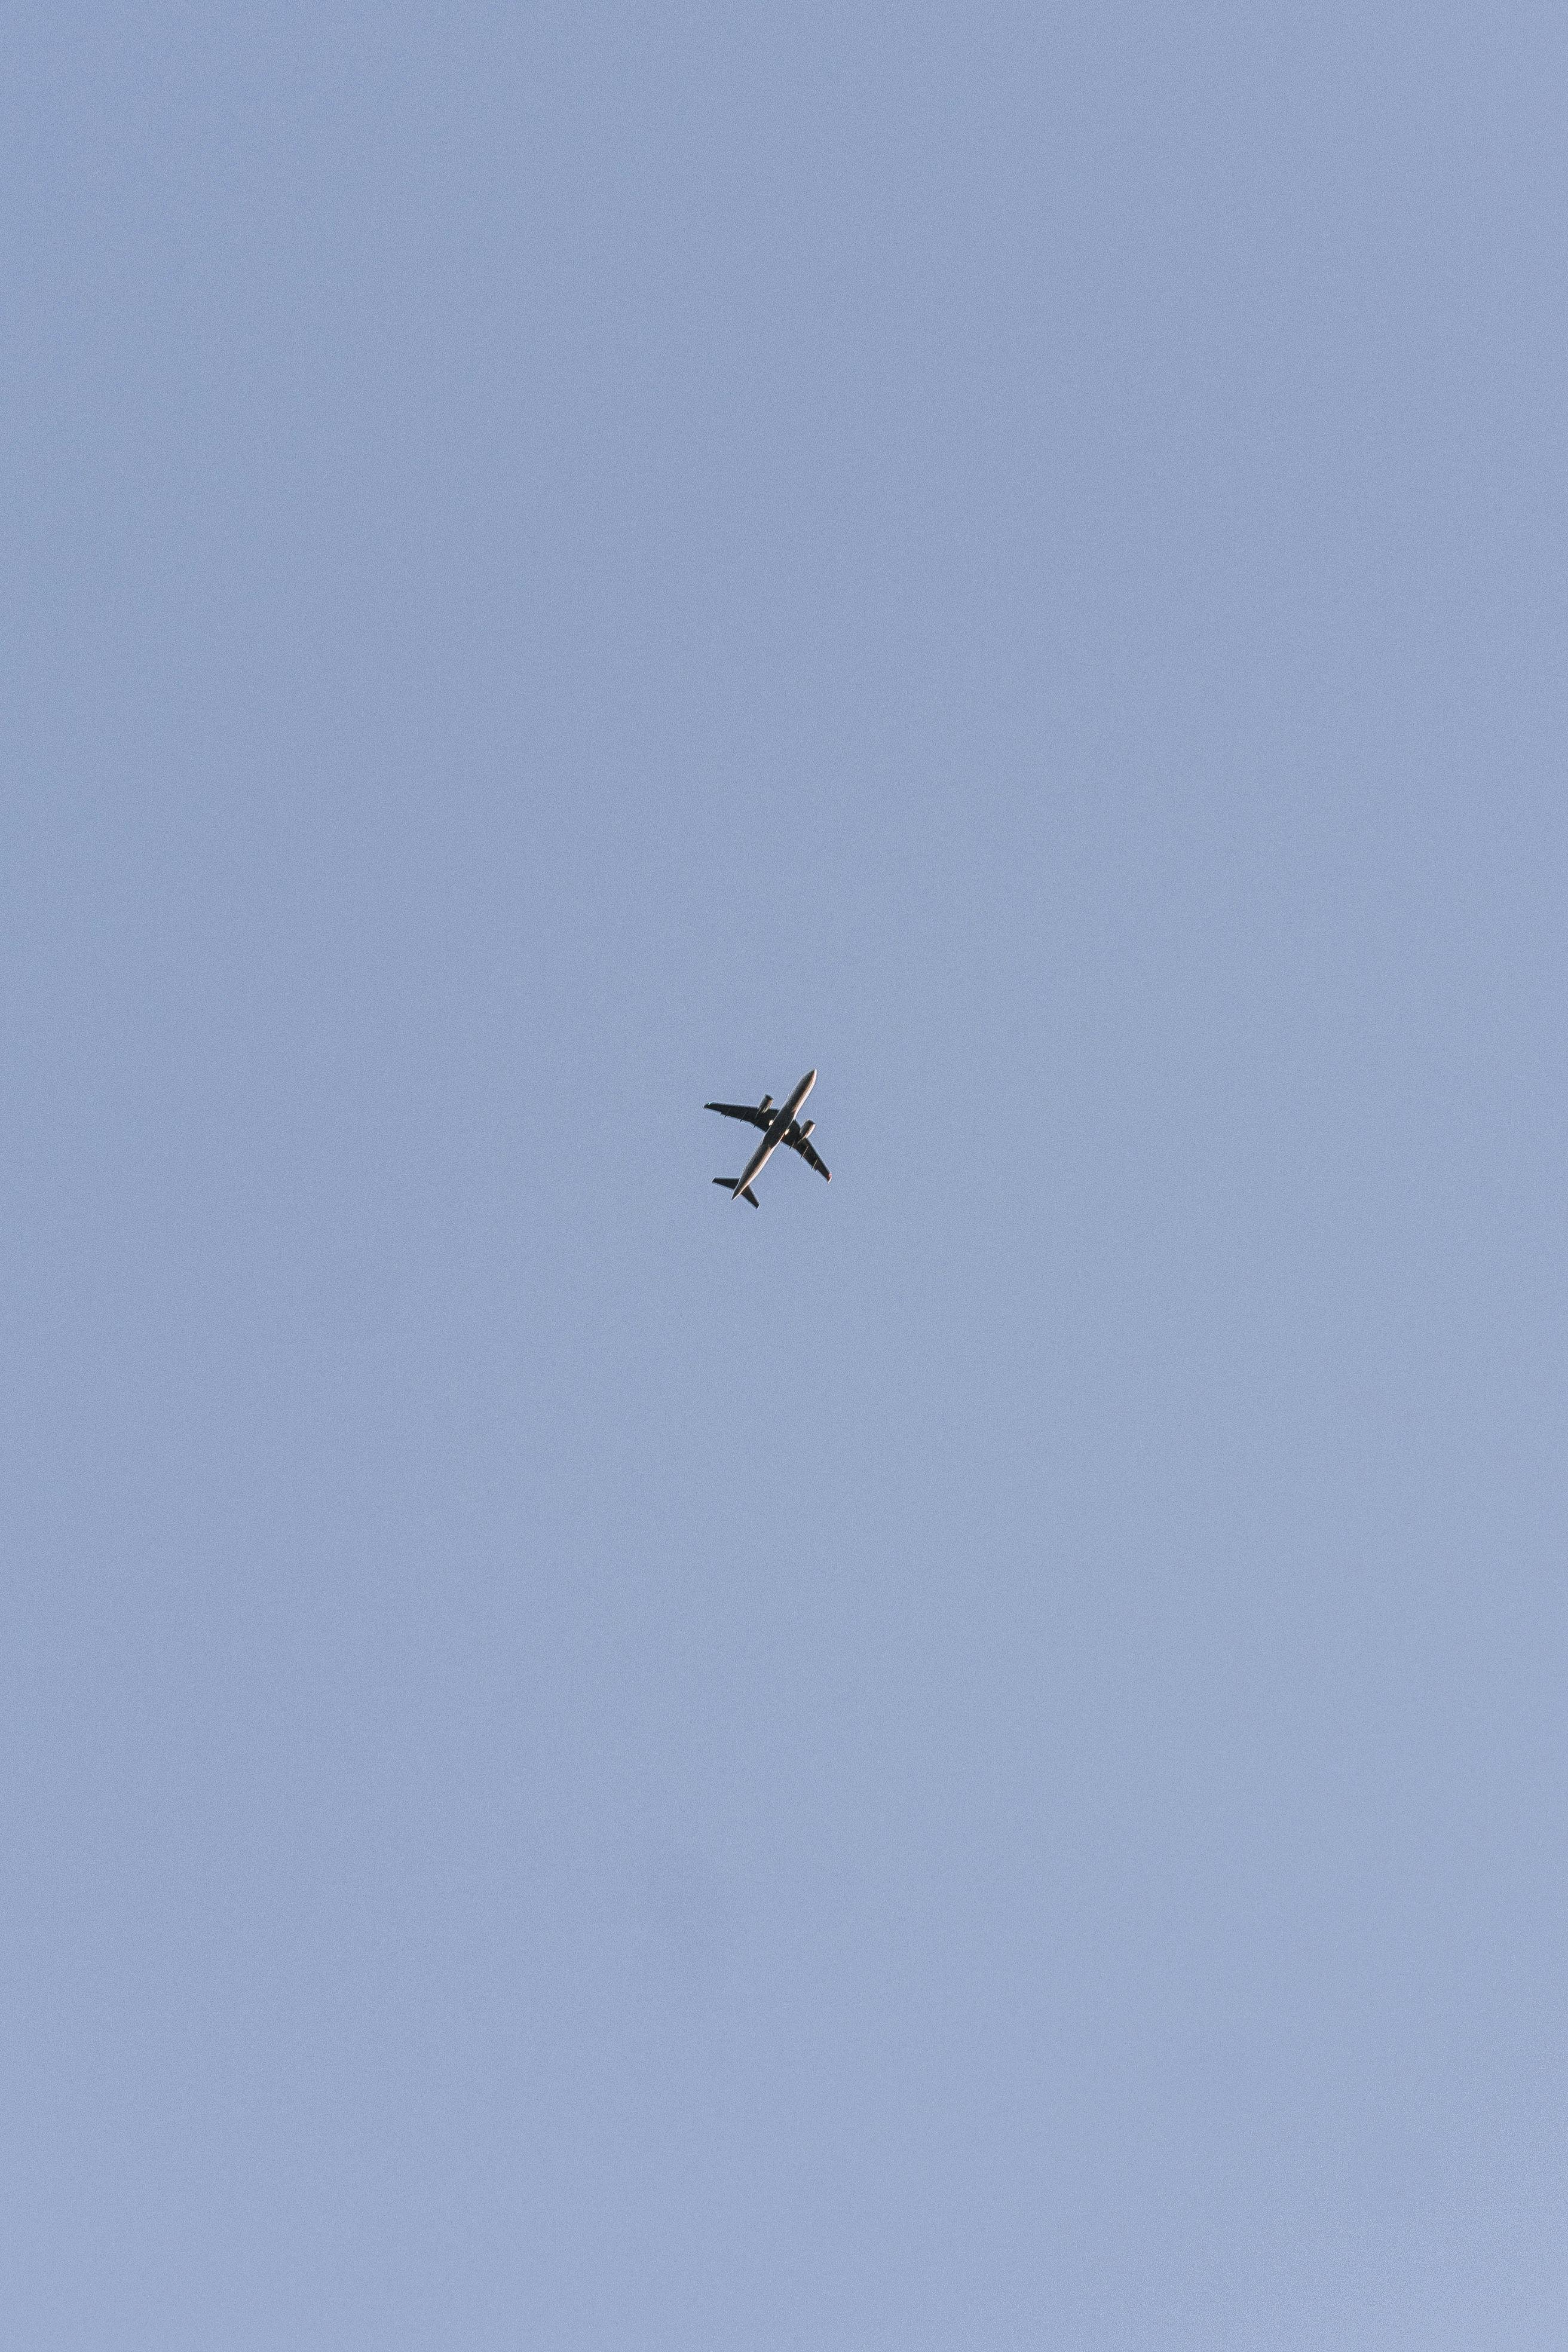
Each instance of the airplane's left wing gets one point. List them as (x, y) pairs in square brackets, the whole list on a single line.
[(748, 1111)]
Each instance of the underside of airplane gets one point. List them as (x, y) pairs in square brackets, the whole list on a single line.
[(780, 1127)]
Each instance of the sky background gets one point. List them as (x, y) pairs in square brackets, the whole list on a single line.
[(974, 1762)]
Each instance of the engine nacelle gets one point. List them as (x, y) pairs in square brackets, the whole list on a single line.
[(807, 1128), (766, 1103)]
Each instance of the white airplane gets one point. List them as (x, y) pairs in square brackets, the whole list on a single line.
[(778, 1126)]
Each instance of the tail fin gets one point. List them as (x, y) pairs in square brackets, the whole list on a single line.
[(732, 1184)]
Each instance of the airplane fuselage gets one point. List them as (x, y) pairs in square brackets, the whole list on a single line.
[(776, 1134)]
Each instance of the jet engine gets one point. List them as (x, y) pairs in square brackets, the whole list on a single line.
[(807, 1127), (766, 1103)]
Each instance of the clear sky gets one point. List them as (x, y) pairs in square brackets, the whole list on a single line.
[(975, 1761)]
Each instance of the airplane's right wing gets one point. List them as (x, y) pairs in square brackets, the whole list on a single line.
[(798, 1142), (748, 1111)]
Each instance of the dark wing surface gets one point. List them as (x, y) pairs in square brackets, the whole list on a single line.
[(748, 1111), (798, 1142)]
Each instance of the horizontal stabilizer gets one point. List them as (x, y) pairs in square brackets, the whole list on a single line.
[(732, 1184)]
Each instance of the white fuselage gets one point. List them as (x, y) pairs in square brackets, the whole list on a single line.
[(776, 1133)]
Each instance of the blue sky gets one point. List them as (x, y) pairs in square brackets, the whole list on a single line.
[(975, 1758)]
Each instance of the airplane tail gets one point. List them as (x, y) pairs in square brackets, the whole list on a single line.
[(732, 1184)]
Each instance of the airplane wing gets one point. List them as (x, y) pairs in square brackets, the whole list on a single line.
[(798, 1142), (748, 1111)]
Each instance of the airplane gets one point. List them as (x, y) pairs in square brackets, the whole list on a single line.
[(778, 1126)]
